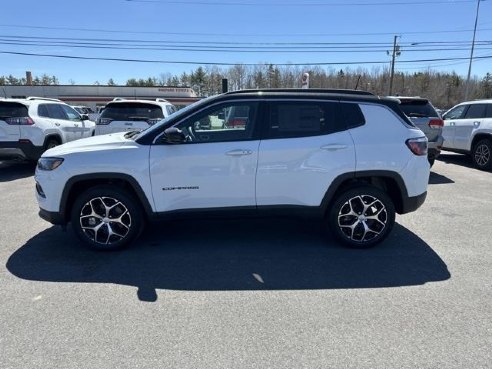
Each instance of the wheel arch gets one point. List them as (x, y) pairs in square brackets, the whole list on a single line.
[(390, 182), (80, 183), (480, 136)]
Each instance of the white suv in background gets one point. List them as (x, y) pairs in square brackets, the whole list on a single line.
[(347, 157), (122, 115), (30, 126), (468, 130)]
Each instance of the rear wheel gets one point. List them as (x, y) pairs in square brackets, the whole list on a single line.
[(106, 218), (362, 217), (482, 154)]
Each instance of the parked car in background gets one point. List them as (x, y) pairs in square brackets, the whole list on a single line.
[(427, 119), (349, 158), (83, 109), (468, 130), (30, 126), (132, 115)]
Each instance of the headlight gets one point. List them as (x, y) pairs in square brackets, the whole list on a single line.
[(49, 163)]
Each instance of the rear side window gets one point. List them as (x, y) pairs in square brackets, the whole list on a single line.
[(301, 119), (12, 110), (54, 111), (132, 112), (476, 111), (418, 108), (488, 114)]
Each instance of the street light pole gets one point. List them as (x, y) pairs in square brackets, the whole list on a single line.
[(467, 87)]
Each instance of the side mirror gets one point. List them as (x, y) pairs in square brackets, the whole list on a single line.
[(174, 135), (221, 115), (84, 117)]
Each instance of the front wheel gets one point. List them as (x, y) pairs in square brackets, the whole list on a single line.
[(106, 218), (481, 154), (361, 217)]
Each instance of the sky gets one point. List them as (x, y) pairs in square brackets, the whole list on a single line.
[(87, 41)]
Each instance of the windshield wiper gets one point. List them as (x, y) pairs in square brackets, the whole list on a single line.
[(131, 134)]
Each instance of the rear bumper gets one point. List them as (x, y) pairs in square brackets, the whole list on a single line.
[(413, 203), (434, 147), (20, 150)]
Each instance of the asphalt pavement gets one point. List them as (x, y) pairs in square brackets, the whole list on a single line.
[(272, 293)]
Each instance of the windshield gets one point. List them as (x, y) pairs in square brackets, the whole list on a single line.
[(174, 116)]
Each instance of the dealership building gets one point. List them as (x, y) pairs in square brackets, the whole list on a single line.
[(98, 96)]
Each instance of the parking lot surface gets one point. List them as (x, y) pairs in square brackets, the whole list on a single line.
[(252, 293)]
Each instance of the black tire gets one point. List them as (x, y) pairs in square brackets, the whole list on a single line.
[(341, 215), (482, 154), (116, 211), (52, 142)]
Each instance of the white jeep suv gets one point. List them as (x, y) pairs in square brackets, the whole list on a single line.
[(468, 130), (32, 125), (348, 157), (121, 115)]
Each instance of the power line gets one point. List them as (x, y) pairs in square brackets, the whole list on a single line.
[(208, 34), (299, 4), (230, 64)]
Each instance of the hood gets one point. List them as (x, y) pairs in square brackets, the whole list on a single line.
[(95, 143)]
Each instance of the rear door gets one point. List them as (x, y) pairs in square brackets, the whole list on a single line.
[(305, 146), (81, 127), (11, 114), (464, 127)]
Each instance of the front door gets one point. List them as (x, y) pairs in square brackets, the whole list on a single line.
[(449, 127), (214, 168)]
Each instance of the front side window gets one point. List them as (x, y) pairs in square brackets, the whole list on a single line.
[(226, 122), (56, 111), (476, 111), (455, 113), (300, 119), (71, 113)]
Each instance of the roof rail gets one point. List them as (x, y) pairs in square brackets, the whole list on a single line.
[(42, 98), (307, 90), (119, 99), (161, 100)]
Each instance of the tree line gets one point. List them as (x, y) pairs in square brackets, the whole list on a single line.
[(444, 89)]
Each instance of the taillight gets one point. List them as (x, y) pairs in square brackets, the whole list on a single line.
[(19, 121), (417, 145), (436, 123), (104, 121)]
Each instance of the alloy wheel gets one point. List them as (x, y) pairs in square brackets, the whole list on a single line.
[(105, 220), (482, 154), (362, 218)]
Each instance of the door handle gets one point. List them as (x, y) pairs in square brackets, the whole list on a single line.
[(239, 152), (333, 147), (476, 123), (452, 123)]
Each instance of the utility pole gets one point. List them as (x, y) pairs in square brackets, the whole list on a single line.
[(396, 52), (467, 87)]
